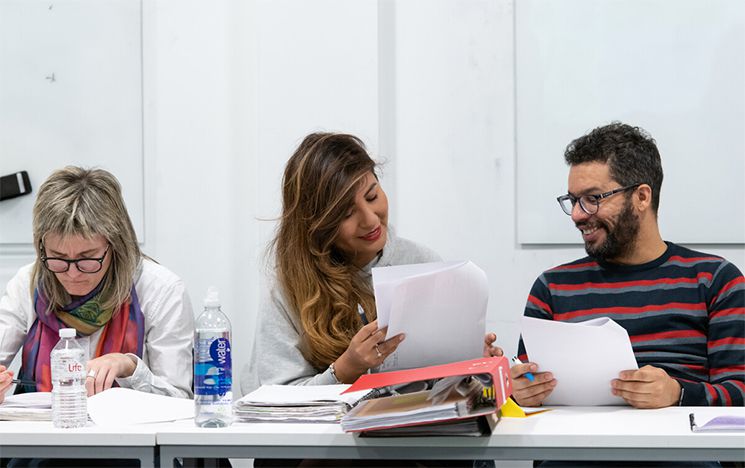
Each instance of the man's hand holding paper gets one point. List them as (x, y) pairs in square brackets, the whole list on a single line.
[(648, 387), (582, 359), (531, 392)]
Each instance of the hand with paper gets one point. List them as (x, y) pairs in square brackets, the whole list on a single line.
[(583, 358), (648, 387), (531, 392), (368, 349)]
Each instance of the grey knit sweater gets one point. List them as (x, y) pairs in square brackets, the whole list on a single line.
[(276, 356)]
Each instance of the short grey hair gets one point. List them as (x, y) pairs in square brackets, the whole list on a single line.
[(85, 202)]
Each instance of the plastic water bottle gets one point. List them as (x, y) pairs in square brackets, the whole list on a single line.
[(213, 377), (69, 397)]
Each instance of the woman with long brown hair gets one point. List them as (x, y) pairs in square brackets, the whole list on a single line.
[(319, 324)]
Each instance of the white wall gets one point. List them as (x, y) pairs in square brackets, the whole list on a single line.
[(428, 84), (231, 87)]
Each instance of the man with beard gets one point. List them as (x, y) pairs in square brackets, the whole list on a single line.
[(684, 310)]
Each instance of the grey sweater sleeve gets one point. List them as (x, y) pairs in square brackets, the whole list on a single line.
[(276, 357)]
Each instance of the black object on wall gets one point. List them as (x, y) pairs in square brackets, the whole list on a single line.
[(14, 185)]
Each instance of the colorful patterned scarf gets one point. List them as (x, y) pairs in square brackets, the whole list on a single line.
[(123, 332)]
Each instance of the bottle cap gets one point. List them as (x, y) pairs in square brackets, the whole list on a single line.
[(67, 332), (213, 298)]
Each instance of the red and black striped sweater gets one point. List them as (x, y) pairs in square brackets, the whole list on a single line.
[(684, 312)]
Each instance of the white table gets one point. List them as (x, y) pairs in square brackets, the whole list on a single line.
[(38, 439), (570, 433)]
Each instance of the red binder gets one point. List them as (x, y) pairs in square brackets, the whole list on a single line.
[(497, 368)]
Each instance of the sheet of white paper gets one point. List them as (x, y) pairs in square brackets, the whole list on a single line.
[(441, 307), (386, 279), (123, 406), (300, 394), (29, 400), (583, 357)]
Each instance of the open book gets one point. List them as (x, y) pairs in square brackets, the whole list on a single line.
[(441, 307)]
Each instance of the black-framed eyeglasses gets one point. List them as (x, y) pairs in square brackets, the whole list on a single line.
[(589, 203), (84, 265)]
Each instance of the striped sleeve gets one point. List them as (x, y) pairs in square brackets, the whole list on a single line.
[(725, 344), (538, 306)]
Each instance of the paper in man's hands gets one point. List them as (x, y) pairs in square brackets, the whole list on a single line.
[(583, 357)]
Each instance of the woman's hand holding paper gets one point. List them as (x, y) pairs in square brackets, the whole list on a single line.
[(489, 349), (366, 350)]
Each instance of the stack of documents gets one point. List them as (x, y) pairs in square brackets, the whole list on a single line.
[(410, 409), (34, 406), (461, 427), (296, 403), (464, 400)]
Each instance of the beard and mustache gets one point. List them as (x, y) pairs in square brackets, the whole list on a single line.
[(620, 234)]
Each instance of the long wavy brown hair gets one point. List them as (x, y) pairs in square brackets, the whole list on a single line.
[(320, 284)]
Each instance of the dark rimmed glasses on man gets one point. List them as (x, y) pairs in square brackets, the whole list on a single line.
[(589, 203), (84, 265)]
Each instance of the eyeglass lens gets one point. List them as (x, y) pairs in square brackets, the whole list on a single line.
[(588, 204), (84, 265)]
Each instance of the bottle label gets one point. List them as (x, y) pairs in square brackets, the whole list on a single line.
[(67, 367), (214, 376)]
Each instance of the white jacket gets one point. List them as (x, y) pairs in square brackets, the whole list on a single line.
[(166, 364)]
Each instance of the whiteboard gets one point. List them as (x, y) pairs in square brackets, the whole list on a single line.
[(70, 93), (674, 68)]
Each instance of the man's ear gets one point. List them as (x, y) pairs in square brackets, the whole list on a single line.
[(643, 197)]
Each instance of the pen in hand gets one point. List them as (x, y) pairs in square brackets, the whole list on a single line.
[(361, 311), (528, 375), (23, 382)]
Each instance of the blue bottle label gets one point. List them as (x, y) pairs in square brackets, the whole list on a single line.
[(214, 376)]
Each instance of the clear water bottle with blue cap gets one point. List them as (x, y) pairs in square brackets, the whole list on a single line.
[(213, 376)]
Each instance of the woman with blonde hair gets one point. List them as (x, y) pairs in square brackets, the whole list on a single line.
[(319, 324), (131, 314)]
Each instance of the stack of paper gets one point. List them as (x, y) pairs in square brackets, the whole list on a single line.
[(459, 427), (464, 400), (457, 415), (34, 406), (402, 410), (296, 403)]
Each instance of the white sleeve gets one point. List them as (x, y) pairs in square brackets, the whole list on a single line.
[(15, 315), (169, 333)]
